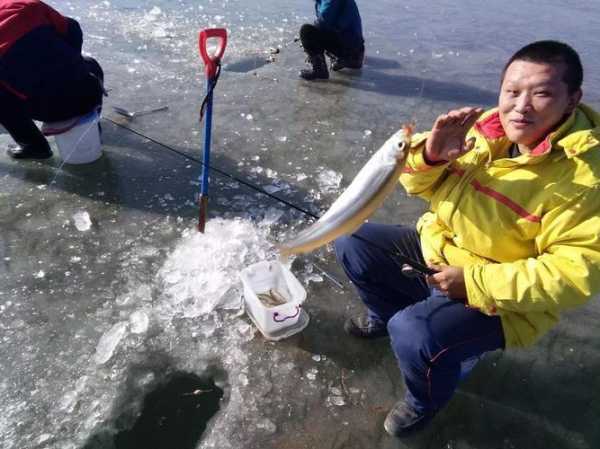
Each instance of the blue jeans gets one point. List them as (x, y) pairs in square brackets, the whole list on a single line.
[(431, 335)]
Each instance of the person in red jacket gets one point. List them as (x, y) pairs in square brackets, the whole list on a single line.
[(43, 75)]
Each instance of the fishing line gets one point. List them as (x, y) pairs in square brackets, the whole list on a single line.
[(215, 169), (398, 257), (68, 156)]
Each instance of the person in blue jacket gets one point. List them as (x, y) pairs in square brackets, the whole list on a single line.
[(43, 75), (337, 32)]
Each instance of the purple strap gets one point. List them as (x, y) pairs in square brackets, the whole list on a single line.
[(281, 320)]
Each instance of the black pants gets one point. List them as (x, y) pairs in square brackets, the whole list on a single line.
[(17, 115), (317, 41)]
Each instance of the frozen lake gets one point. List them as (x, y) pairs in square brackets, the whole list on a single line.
[(107, 291)]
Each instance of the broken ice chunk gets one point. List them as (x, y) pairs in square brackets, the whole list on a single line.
[(337, 400), (272, 188), (267, 425), (329, 181), (82, 220), (272, 215), (139, 322), (109, 342)]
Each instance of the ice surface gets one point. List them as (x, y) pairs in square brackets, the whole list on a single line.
[(146, 294), (200, 276)]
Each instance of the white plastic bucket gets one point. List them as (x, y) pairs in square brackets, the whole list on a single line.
[(81, 143), (278, 321)]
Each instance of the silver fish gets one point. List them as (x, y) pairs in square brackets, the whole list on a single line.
[(272, 298), (367, 191)]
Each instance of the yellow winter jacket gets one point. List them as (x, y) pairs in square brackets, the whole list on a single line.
[(526, 230)]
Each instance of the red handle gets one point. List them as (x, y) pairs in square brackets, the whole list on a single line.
[(211, 61)]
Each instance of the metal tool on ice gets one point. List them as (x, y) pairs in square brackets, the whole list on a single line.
[(133, 114), (212, 69)]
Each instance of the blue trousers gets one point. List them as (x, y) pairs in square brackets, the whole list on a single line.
[(432, 336)]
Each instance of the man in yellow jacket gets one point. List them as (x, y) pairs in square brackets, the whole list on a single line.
[(513, 231)]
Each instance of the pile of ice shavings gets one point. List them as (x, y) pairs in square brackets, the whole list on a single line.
[(202, 273)]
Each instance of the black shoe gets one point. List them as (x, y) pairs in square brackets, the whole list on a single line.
[(403, 421), (319, 68), (339, 64), (365, 327), (30, 152), (352, 62)]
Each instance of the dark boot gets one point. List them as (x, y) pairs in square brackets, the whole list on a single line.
[(16, 120), (31, 151), (402, 420), (350, 61), (319, 68)]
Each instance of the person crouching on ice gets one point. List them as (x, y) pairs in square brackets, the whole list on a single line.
[(513, 231), (337, 32), (43, 75)]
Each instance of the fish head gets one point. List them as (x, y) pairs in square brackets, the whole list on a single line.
[(403, 139)]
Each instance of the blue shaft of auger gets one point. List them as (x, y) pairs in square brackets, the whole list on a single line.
[(207, 136)]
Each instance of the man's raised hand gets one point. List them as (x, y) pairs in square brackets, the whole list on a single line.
[(447, 139)]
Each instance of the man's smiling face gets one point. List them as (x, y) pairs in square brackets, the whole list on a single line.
[(534, 99)]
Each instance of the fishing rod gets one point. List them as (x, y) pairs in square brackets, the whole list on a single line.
[(214, 168), (396, 255)]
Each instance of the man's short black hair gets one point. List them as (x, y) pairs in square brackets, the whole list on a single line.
[(552, 51)]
